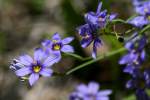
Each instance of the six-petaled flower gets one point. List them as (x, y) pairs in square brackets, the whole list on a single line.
[(90, 92), (56, 45), (143, 9), (33, 68), (94, 22), (136, 54)]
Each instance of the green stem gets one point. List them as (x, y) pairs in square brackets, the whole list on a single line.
[(119, 21), (130, 30), (95, 60), (77, 56), (144, 29)]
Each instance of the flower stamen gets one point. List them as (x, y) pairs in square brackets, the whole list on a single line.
[(36, 69)]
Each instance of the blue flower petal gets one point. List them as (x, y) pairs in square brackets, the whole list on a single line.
[(129, 46), (104, 92), (56, 36), (23, 71), (91, 19), (129, 69), (33, 78), (45, 43), (67, 48), (82, 30), (94, 52), (93, 87), (50, 61), (82, 88), (102, 98), (112, 16), (67, 40), (99, 7), (39, 54), (46, 72), (130, 84), (124, 59), (143, 55), (26, 60), (139, 21), (86, 42), (141, 94)]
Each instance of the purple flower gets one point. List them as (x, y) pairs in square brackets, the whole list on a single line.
[(139, 21), (90, 92), (33, 68), (133, 60), (135, 55), (143, 9), (140, 82), (94, 22), (86, 32), (56, 45), (141, 95), (99, 18)]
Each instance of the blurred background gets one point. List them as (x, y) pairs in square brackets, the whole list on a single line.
[(25, 23)]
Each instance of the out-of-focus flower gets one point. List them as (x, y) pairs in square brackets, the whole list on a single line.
[(139, 21), (86, 32), (100, 18), (94, 22), (33, 68), (135, 56), (143, 9), (140, 82), (56, 45), (134, 59), (90, 92)]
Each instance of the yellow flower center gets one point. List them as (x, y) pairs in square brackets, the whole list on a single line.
[(56, 47), (36, 69)]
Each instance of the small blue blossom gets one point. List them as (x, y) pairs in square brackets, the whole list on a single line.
[(142, 95), (134, 60), (90, 92), (56, 45), (140, 82), (86, 32), (33, 68), (142, 8), (135, 55), (99, 18), (139, 21)]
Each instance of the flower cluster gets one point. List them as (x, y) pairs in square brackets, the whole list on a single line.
[(136, 54), (134, 60), (94, 21), (40, 64), (90, 92), (142, 8)]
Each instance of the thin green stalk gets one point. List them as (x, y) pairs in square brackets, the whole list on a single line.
[(119, 21), (77, 56), (145, 29), (95, 60)]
